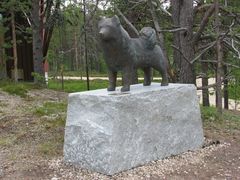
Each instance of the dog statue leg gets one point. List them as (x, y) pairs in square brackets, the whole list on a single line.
[(112, 76), (147, 76), (127, 78)]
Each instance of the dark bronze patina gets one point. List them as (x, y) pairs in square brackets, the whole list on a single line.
[(123, 53)]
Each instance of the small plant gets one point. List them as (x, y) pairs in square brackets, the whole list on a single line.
[(229, 121), (208, 113), (39, 79)]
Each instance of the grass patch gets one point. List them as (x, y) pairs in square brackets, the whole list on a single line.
[(55, 123), (51, 147), (234, 92), (209, 113), (78, 85), (77, 74), (81, 85), (20, 89), (50, 108), (230, 119), (17, 89), (53, 143), (8, 141), (52, 128)]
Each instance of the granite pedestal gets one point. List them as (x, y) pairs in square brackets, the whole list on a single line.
[(109, 132)]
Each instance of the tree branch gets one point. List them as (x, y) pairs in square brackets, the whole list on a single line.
[(134, 30), (203, 51), (203, 24), (212, 85), (224, 63), (173, 30), (181, 53)]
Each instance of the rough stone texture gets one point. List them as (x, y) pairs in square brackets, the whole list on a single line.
[(109, 132)]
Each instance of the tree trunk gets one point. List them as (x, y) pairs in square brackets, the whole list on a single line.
[(205, 92), (219, 60), (133, 34), (14, 41), (85, 44), (183, 18), (37, 41), (81, 62), (160, 37), (76, 49), (225, 91), (3, 72)]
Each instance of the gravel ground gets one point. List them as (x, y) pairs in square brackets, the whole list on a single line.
[(154, 170), (219, 159)]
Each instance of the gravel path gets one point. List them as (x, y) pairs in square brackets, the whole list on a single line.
[(160, 169), (220, 159)]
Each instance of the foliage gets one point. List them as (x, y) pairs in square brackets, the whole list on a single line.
[(234, 85), (18, 7), (208, 113), (39, 79), (228, 123)]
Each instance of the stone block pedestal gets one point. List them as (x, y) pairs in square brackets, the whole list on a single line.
[(109, 132)]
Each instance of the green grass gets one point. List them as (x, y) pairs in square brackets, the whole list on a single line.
[(229, 121), (52, 147), (53, 127), (78, 85), (234, 92), (8, 141), (209, 113), (96, 74), (81, 85), (20, 89), (53, 144), (50, 108), (78, 74)]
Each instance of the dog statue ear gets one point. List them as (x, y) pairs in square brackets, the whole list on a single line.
[(116, 20)]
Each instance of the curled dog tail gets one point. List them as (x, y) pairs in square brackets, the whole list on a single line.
[(150, 37)]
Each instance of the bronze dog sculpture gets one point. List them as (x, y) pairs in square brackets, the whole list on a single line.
[(123, 53)]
